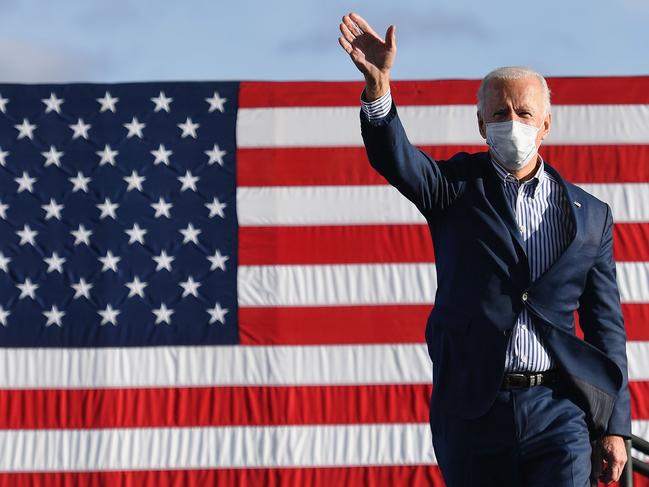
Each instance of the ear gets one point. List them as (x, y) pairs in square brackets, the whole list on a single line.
[(481, 126), (545, 128)]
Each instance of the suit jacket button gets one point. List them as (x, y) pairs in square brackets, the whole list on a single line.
[(524, 297)]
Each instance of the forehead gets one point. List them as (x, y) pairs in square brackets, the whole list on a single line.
[(528, 91)]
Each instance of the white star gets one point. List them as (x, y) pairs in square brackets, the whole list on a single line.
[(188, 128), (25, 183), (134, 128), (217, 313), (4, 262), (54, 316), (109, 261), (109, 315), (3, 157), (216, 208), (162, 102), (3, 210), (27, 235), (55, 263), (163, 261), (190, 287), (134, 181), (215, 155), (27, 288), (217, 260), (3, 104), (161, 155), (52, 210), (136, 234), (190, 233), (25, 129), (216, 102), (80, 182), (82, 288), (80, 129), (188, 181), (3, 316), (81, 235), (136, 287), (162, 208), (52, 104), (163, 314), (108, 102), (52, 156), (108, 209), (107, 156)]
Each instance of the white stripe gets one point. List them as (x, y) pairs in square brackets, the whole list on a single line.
[(215, 447), (439, 124), (54, 368), (360, 284), (376, 204)]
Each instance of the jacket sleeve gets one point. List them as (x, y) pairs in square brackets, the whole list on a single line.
[(415, 174), (600, 316)]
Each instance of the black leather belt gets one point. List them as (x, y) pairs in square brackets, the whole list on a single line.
[(521, 380)]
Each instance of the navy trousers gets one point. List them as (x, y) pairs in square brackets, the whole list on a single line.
[(530, 437)]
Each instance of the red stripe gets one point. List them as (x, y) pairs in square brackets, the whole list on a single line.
[(349, 165), (411, 475), (565, 91), (636, 321), (631, 242)]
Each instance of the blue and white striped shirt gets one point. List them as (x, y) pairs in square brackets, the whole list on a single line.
[(543, 218)]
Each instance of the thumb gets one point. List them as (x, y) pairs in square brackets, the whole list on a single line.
[(391, 37)]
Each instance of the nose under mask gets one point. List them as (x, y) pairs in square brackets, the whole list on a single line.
[(513, 144)]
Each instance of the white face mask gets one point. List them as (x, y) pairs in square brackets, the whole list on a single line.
[(513, 144)]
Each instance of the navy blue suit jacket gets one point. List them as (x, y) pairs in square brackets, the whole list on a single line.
[(483, 272)]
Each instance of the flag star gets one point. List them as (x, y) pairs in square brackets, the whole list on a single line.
[(55, 263), (108, 315), (25, 183), (52, 156), (217, 314), (188, 128), (3, 157), (4, 262), (162, 102), (52, 104), (108, 209), (216, 102), (163, 261), (161, 155), (136, 234), (81, 235), (190, 233), (108, 103), (52, 210), (217, 260), (80, 182), (134, 128), (25, 129), (134, 181), (190, 287), (215, 155), (3, 210), (162, 208), (3, 316), (82, 288), (216, 208), (188, 181), (80, 129), (107, 155), (3, 104), (136, 287), (163, 314), (54, 316), (109, 261), (27, 288), (27, 235)]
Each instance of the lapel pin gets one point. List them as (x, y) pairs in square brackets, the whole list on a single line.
[(577, 204)]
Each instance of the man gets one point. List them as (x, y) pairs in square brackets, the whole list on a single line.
[(517, 396)]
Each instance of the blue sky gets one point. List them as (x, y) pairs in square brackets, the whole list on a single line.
[(120, 40)]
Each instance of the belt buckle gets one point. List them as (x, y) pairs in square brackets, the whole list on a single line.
[(516, 381)]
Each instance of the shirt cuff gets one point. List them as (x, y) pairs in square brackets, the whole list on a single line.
[(377, 109)]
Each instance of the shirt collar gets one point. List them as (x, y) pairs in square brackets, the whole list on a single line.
[(535, 181)]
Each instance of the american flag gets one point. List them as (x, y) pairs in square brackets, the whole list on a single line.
[(206, 283)]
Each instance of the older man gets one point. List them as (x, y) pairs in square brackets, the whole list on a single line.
[(517, 396)]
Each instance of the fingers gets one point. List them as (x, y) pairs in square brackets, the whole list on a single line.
[(345, 45), (362, 23), (353, 28), (391, 37), (347, 34)]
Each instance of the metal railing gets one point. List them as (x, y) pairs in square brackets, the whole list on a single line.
[(633, 464)]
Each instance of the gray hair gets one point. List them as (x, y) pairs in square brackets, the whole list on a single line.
[(512, 73)]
